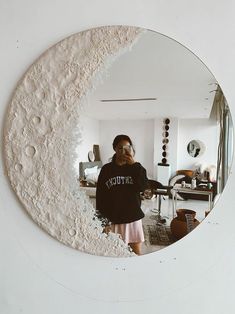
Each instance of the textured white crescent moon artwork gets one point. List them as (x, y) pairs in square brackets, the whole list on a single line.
[(41, 132)]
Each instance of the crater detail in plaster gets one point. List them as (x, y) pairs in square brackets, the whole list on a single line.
[(41, 132)]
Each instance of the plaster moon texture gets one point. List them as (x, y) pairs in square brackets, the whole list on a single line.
[(42, 130)]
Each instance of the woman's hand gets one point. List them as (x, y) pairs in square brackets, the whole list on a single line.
[(124, 159), (128, 158)]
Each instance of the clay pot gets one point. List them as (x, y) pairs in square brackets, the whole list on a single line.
[(179, 227)]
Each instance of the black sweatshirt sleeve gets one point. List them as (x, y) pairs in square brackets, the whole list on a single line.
[(139, 177)]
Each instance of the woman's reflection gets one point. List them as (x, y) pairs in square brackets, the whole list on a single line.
[(118, 194)]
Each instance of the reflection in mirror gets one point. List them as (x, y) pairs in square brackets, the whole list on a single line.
[(68, 108), (159, 78), (195, 148)]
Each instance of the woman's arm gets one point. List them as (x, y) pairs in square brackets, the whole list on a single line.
[(139, 177)]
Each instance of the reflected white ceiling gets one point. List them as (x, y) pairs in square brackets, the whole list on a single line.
[(156, 67)]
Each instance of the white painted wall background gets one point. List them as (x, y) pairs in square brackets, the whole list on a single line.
[(90, 136), (39, 274)]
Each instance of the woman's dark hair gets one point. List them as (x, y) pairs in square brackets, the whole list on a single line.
[(120, 138)]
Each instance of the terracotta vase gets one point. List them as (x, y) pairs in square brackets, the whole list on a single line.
[(183, 224)]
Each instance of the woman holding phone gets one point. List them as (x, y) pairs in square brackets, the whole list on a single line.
[(118, 193)]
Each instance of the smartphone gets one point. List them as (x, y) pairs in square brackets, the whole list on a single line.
[(127, 150)]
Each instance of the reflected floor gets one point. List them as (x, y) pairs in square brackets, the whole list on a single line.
[(150, 220)]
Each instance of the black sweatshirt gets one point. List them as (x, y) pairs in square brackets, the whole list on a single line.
[(118, 192)]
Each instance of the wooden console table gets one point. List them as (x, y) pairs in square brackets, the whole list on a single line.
[(201, 191)]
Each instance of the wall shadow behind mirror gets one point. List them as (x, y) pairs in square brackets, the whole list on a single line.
[(158, 85)]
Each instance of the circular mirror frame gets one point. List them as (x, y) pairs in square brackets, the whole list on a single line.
[(36, 147)]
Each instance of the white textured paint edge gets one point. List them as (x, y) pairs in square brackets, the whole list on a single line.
[(42, 131)]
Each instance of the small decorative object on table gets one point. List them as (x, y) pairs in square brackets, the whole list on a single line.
[(193, 183), (83, 182), (91, 156)]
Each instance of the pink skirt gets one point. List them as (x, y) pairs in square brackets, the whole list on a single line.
[(131, 232)]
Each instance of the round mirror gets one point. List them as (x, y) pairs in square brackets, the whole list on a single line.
[(82, 93), (195, 148)]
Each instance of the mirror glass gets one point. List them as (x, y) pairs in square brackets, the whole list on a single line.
[(155, 81), (195, 148), (134, 194)]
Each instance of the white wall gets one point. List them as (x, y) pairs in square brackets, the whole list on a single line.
[(204, 130), (40, 275), (141, 133), (90, 135), (147, 139)]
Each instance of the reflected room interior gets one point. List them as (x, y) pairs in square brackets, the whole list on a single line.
[(172, 107)]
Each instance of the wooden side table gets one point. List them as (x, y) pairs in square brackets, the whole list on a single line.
[(201, 191)]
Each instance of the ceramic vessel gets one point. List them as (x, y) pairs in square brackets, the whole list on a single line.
[(183, 224)]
